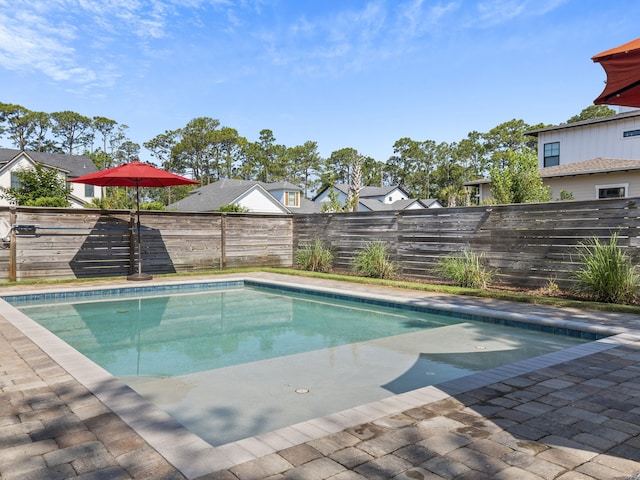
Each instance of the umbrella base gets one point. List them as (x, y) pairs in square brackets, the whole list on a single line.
[(139, 277)]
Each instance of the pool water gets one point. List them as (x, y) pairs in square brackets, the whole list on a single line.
[(237, 362), (166, 336)]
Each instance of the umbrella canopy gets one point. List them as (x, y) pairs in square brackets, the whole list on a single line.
[(134, 174), (622, 66)]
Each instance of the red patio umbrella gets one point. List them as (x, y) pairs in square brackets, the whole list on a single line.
[(134, 174), (622, 66)]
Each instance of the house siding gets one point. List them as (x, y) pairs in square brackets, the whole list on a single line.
[(602, 140), (23, 161), (586, 190), (255, 201), (393, 196), (78, 190), (389, 198), (324, 196), (5, 179), (583, 187), (414, 206)]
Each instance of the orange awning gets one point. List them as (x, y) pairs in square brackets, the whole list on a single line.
[(622, 66)]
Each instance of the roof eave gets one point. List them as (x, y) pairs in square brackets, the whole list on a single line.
[(585, 123)]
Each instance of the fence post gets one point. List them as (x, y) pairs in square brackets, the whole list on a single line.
[(13, 260), (132, 243), (223, 241)]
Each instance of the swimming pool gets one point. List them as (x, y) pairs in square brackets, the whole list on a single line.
[(232, 360)]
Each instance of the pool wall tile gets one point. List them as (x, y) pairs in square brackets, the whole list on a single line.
[(19, 300), (487, 316)]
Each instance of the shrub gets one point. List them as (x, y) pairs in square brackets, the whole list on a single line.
[(551, 288), (232, 208), (607, 274), (314, 256), (155, 205), (48, 202), (373, 261), (565, 195), (465, 269)]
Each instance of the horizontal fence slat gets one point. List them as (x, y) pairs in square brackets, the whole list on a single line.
[(525, 244)]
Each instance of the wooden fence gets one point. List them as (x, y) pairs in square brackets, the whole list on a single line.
[(525, 244), (68, 243)]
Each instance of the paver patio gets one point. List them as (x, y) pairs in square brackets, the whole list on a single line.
[(571, 417)]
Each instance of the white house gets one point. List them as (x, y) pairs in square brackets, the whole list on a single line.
[(376, 198), (591, 159), (285, 197), (256, 197), (67, 166)]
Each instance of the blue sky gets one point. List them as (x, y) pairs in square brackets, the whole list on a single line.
[(343, 73)]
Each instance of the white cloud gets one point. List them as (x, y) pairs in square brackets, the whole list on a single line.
[(495, 12), (27, 42), (415, 19), (74, 40), (56, 37), (329, 42)]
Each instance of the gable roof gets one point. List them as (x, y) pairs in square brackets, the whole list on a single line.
[(369, 192), (583, 123), (379, 191), (589, 167), (73, 165), (307, 206), (428, 202), (366, 192), (374, 205), (378, 206), (283, 185), (585, 167), (218, 194)]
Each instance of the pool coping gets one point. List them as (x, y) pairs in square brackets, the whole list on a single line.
[(194, 457)]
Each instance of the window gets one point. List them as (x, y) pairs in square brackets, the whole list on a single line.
[(612, 191), (551, 154), (630, 133), (15, 181), (292, 199), (88, 191)]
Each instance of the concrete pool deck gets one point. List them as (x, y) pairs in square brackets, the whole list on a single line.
[(569, 415)]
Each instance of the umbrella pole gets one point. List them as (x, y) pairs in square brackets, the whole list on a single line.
[(139, 275)]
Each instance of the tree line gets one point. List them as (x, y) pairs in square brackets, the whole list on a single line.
[(208, 151)]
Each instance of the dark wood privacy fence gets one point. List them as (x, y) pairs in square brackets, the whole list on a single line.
[(525, 244)]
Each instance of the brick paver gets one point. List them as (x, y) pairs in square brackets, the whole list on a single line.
[(577, 420)]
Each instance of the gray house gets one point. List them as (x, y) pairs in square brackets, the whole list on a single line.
[(256, 197), (374, 199), (285, 197)]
